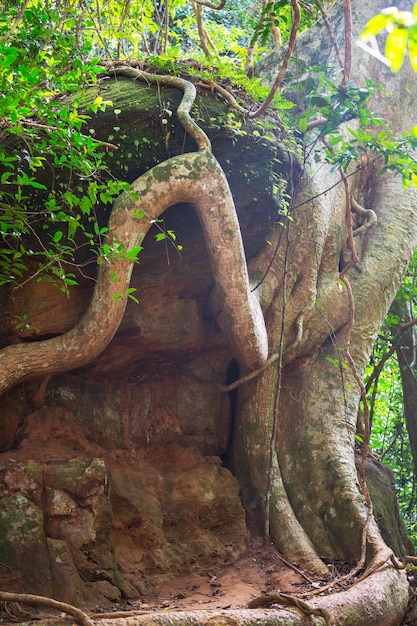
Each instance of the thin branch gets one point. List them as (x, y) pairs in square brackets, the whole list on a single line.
[(331, 33), (285, 62), (348, 42), (36, 125), (295, 568), (315, 123), (392, 442), (275, 31), (97, 27), (16, 21), (211, 5), (253, 43), (236, 383), (378, 368), (205, 39)]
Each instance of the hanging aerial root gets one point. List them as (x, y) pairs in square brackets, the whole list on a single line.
[(367, 214), (184, 108)]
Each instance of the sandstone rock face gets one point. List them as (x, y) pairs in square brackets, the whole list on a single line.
[(87, 525), (23, 542)]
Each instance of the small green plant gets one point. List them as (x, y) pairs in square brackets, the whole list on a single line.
[(337, 363), (22, 323), (42, 217), (129, 293), (331, 106)]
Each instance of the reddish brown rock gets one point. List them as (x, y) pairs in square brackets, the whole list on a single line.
[(111, 524)]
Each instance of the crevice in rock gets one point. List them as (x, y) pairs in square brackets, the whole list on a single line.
[(232, 375)]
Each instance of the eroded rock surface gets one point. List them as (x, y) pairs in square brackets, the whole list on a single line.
[(99, 525)]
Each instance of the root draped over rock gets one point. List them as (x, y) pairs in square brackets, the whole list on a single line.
[(195, 178)]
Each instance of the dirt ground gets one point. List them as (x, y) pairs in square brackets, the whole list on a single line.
[(259, 570)]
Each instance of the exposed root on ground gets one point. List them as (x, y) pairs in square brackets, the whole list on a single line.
[(47, 603)]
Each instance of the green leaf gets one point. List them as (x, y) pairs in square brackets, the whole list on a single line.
[(130, 293), (302, 124), (133, 253), (58, 236), (5, 176)]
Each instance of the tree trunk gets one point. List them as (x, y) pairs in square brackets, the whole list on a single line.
[(317, 408)]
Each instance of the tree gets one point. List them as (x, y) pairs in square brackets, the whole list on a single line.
[(391, 389), (302, 315)]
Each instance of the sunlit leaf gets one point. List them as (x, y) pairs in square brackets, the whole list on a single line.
[(374, 26), (395, 47)]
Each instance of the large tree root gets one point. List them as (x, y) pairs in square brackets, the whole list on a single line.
[(194, 178), (197, 179)]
